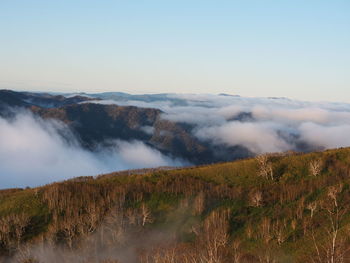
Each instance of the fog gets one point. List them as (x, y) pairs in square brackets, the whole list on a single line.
[(34, 152), (258, 124)]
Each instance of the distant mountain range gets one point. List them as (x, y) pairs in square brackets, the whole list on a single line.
[(97, 124)]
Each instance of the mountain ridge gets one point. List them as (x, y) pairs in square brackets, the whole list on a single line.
[(96, 124)]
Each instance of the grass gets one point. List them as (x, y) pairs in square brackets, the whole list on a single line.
[(226, 185)]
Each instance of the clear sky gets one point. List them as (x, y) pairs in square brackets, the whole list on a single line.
[(293, 48)]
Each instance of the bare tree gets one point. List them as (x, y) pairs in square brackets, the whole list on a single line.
[(332, 249), (315, 167), (146, 215), (312, 207), (131, 216), (334, 215), (265, 167), (280, 231), (256, 198), (214, 237)]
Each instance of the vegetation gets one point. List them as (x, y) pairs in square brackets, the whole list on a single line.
[(273, 208), (97, 125)]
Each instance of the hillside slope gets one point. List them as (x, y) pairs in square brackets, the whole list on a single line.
[(97, 125), (275, 208)]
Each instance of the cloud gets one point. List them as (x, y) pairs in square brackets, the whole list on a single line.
[(247, 135), (303, 114), (135, 154), (326, 136), (34, 152), (147, 129), (258, 124)]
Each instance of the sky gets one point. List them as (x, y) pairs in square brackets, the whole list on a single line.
[(297, 49)]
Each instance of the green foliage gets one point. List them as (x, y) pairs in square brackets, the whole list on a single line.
[(22, 201)]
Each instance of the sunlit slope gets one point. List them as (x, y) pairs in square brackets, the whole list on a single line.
[(289, 207)]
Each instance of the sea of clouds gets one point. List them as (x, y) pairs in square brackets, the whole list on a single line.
[(35, 151), (269, 125)]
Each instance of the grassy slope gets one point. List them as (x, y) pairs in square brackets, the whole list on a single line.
[(225, 185)]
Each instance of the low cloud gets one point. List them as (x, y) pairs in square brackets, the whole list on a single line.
[(258, 124), (246, 134), (35, 152), (326, 136)]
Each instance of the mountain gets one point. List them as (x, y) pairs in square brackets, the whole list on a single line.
[(272, 208), (98, 124), (45, 100)]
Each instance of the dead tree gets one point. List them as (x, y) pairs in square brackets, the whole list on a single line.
[(265, 167), (256, 198), (332, 249), (312, 207), (131, 216), (146, 215), (315, 167), (214, 237), (280, 231)]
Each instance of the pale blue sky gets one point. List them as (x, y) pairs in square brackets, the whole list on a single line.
[(298, 49)]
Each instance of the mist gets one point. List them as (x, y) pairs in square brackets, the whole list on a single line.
[(259, 124), (34, 151)]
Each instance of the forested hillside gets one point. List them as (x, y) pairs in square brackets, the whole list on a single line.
[(95, 126), (272, 208)]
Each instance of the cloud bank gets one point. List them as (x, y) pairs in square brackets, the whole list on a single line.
[(35, 152), (258, 124)]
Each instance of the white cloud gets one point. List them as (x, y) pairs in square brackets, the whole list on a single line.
[(33, 152), (257, 137), (137, 155), (277, 124), (326, 136)]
